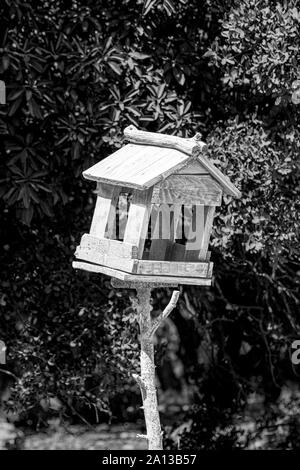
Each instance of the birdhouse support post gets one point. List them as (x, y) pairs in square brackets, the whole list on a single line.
[(159, 238), (146, 379)]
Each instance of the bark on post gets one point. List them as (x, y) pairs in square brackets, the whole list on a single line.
[(146, 380)]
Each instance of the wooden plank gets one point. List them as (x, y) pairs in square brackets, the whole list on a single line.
[(141, 166), (160, 232), (157, 280), (195, 233), (172, 268), (192, 167), (176, 227), (111, 227), (188, 189), (209, 218), (137, 166), (109, 247), (186, 145), (105, 195), (138, 218), (225, 182), (118, 284), (125, 264)]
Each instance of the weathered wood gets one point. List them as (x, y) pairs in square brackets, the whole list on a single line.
[(118, 284), (162, 280), (138, 218), (188, 189), (186, 145), (137, 166), (106, 193), (210, 269), (172, 268), (111, 226), (192, 167), (146, 380), (125, 264), (224, 181), (209, 217), (195, 233), (108, 247), (141, 166), (176, 227)]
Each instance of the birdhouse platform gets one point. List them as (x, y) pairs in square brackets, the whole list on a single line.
[(155, 204)]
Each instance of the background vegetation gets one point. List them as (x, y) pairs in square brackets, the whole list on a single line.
[(77, 73)]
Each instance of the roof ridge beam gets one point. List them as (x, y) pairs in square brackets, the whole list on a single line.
[(190, 146)]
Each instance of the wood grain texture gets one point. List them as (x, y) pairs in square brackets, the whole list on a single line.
[(118, 284), (176, 226), (125, 264), (186, 145), (161, 280), (108, 247), (153, 157), (209, 218), (105, 194), (138, 219), (192, 167), (137, 166), (111, 226), (172, 268), (111, 253), (195, 232), (224, 181), (188, 189)]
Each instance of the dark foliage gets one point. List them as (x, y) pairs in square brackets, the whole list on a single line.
[(77, 73)]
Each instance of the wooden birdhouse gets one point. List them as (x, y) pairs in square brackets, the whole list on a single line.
[(156, 199)]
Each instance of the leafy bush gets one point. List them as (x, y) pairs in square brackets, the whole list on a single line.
[(77, 73)]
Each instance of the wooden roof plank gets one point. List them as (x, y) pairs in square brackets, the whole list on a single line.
[(137, 166), (152, 157), (228, 186)]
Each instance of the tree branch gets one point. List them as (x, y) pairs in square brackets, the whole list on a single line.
[(141, 384), (166, 312)]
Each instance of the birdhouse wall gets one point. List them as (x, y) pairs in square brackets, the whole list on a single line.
[(180, 232), (192, 168), (188, 189), (201, 220), (138, 219), (105, 210)]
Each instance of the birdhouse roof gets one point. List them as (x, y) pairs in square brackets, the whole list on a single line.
[(151, 157)]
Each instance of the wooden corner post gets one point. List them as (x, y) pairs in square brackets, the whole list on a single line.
[(147, 380)]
